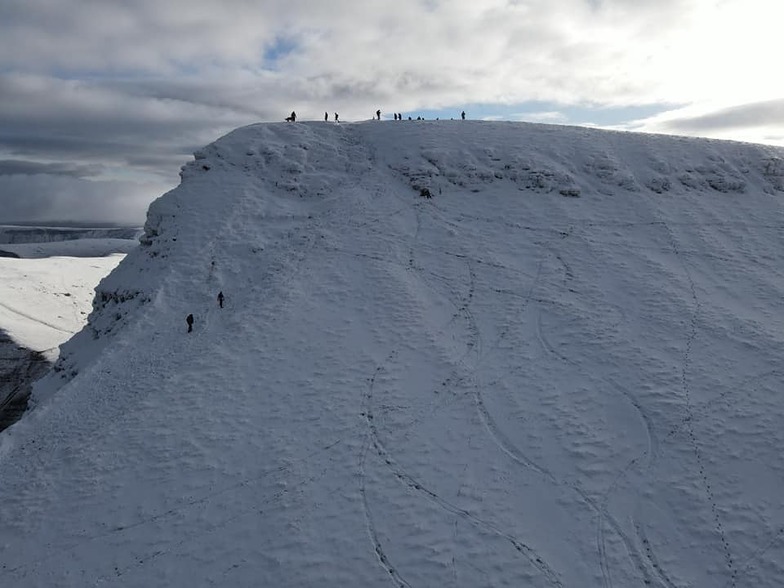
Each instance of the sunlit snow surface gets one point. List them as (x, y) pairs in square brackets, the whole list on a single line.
[(561, 370), (44, 301)]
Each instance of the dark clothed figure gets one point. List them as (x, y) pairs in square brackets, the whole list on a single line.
[(326, 117), (462, 115), (336, 117), (189, 320), (292, 118), (378, 114), (220, 299)]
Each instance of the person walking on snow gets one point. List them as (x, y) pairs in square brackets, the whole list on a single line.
[(378, 114), (326, 117), (462, 115), (336, 117), (220, 299), (189, 320)]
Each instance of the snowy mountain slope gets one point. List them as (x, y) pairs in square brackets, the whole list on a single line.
[(561, 370)]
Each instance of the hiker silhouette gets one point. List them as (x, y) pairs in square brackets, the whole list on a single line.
[(189, 320), (220, 299)]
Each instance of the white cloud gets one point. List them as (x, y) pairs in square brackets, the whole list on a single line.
[(760, 122), (544, 117), (565, 50)]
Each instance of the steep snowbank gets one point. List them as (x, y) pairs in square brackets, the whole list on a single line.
[(560, 370)]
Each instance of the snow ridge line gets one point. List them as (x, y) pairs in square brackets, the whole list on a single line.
[(693, 330)]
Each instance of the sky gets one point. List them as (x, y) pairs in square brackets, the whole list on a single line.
[(101, 102)]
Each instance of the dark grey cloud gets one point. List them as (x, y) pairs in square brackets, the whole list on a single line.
[(10, 167), (46, 198), (47, 119), (768, 114)]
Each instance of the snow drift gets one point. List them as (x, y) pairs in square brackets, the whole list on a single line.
[(561, 369)]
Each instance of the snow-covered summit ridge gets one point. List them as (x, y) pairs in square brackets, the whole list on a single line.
[(270, 164), (561, 369)]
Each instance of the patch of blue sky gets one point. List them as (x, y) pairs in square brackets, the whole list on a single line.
[(279, 49), (548, 112)]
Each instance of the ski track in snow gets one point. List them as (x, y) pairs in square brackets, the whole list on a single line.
[(416, 485), (472, 347), (603, 515)]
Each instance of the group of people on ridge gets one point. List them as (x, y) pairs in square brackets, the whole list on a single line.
[(293, 116)]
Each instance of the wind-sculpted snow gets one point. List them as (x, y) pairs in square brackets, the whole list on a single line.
[(562, 368)]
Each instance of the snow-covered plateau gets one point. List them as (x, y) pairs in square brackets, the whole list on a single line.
[(561, 369), (46, 292)]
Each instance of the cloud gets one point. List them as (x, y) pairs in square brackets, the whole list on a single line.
[(760, 114), (758, 122), (47, 198), (542, 116), (134, 96), (570, 50), (10, 167), (107, 124)]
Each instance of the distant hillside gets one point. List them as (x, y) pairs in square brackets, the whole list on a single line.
[(452, 353), (15, 234)]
